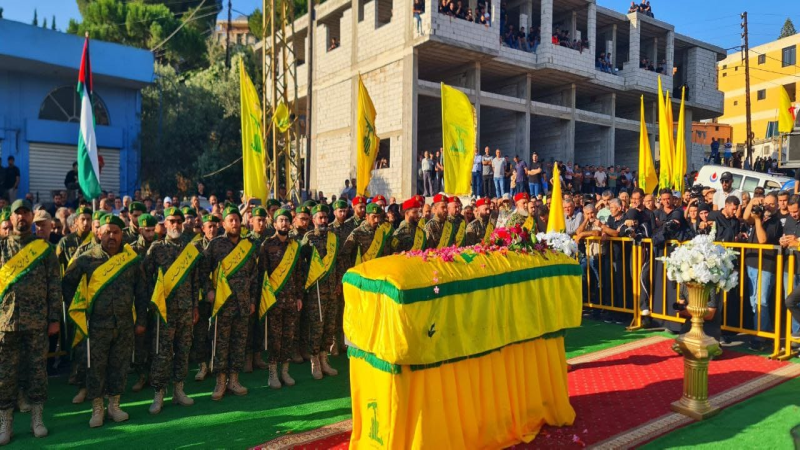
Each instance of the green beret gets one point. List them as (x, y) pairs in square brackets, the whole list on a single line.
[(173, 211), (321, 209), (302, 210), (282, 212), (231, 209), (309, 204), (5, 216), (340, 204), (110, 219), (137, 206), (146, 220), (99, 214), (374, 208), (21, 204), (259, 212), (188, 211), (83, 210), (210, 218), (272, 202)]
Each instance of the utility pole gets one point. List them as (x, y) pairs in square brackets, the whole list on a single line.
[(746, 57), (309, 90), (228, 38)]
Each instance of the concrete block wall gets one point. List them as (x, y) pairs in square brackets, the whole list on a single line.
[(373, 39), (591, 143), (549, 137), (701, 76), (332, 162), (469, 33), (498, 130), (626, 149), (429, 123), (330, 63)]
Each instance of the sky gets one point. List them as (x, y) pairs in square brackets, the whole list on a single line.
[(714, 21)]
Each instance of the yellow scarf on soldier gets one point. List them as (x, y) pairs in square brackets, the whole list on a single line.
[(274, 283), (419, 237), (382, 233), (530, 224), (319, 268), (168, 282), (451, 236), (487, 236), (20, 264), (85, 241), (228, 268), (77, 311)]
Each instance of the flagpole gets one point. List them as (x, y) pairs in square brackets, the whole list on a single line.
[(88, 347), (214, 345), (158, 328), (265, 332), (319, 303)]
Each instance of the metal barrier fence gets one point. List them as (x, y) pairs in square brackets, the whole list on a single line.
[(622, 275)]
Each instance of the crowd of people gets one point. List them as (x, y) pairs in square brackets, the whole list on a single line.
[(461, 10), (642, 8)]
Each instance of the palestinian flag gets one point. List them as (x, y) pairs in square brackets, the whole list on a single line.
[(88, 164)]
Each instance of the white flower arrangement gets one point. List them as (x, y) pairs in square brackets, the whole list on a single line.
[(701, 261), (560, 242)]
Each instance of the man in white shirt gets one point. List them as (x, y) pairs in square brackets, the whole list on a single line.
[(727, 190), (600, 179)]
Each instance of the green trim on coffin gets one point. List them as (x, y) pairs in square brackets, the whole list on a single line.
[(396, 369), (422, 294)]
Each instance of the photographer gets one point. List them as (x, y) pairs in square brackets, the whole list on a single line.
[(726, 221), (767, 229), (670, 223), (613, 227), (589, 252)]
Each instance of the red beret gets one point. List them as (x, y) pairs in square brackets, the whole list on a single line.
[(483, 201), (359, 200), (379, 198), (452, 199), (411, 203), (522, 196), (420, 199), (440, 198)]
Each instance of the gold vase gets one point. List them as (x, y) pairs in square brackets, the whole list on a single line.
[(697, 349)]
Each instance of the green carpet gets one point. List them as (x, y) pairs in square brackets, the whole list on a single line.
[(595, 335)]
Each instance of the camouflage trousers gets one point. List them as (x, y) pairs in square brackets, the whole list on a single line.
[(281, 327), (321, 331), (171, 356), (302, 329), (23, 356), (231, 339), (77, 371), (111, 350), (141, 348), (201, 340), (255, 336)]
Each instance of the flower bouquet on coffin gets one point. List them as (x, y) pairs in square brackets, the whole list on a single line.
[(560, 242), (703, 266)]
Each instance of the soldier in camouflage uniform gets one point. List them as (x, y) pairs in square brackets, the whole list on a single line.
[(272, 206), (95, 240), (171, 357), (434, 227), (201, 344), (403, 239), (283, 316), (302, 221), (190, 217), (258, 225), (454, 217), (361, 238), (131, 234), (111, 324), (342, 227), (359, 211), (5, 223), (69, 244), (476, 230), (322, 322), (143, 343), (233, 317), (30, 311), (520, 215)]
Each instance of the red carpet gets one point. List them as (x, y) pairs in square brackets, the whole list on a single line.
[(617, 393)]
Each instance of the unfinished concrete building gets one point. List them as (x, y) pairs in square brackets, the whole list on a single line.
[(554, 101)]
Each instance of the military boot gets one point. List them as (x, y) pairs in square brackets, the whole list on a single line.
[(37, 422), (259, 363), (285, 377), (97, 413), (219, 389), (140, 383), (316, 373), (22, 402), (326, 367), (114, 413), (79, 397), (248, 363), (202, 373), (234, 386), (158, 402), (6, 425), (179, 397), (274, 383), (334, 348), (305, 355)]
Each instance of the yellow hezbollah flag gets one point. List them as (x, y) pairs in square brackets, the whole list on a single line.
[(366, 139), (281, 119), (786, 113), (458, 136), (647, 170), (671, 128), (159, 298), (77, 311), (253, 157), (267, 299), (664, 150), (679, 165), (555, 222)]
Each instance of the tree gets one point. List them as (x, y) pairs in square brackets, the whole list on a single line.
[(179, 8), (44, 23), (35, 18), (1, 13), (788, 29), (255, 23), (53, 23)]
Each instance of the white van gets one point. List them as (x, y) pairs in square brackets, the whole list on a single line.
[(743, 180)]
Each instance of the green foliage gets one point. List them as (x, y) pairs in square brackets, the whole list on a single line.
[(191, 126), (53, 23), (35, 18), (44, 23), (1, 12), (255, 22), (788, 29)]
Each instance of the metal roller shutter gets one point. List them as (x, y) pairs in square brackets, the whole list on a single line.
[(49, 165)]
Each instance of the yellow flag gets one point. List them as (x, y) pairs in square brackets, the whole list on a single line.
[(647, 170), (671, 126), (555, 222), (458, 140), (367, 139), (282, 120), (159, 298), (253, 156), (679, 165), (221, 294), (664, 150), (77, 311), (786, 113), (267, 299)]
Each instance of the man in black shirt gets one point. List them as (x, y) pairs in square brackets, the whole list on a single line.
[(613, 260), (535, 176), (11, 179), (767, 229), (727, 224)]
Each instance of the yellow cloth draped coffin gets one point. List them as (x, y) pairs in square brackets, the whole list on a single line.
[(461, 354)]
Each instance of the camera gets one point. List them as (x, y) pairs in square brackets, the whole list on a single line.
[(672, 226), (696, 191), (679, 306), (758, 210)]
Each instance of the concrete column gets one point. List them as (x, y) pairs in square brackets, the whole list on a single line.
[(569, 141), (614, 45), (408, 185), (526, 8), (476, 85), (591, 27), (654, 53), (612, 133), (354, 33), (688, 130), (547, 22), (634, 44), (670, 56), (523, 120), (573, 25), (525, 23)]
